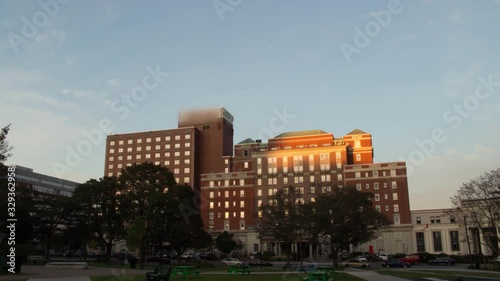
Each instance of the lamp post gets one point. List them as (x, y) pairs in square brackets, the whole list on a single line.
[(161, 236)]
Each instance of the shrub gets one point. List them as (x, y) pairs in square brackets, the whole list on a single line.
[(267, 255), (425, 257)]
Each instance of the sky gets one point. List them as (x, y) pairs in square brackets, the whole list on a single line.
[(423, 77)]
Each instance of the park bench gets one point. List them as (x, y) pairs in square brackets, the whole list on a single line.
[(36, 259), (239, 269), (304, 268), (161, 272)]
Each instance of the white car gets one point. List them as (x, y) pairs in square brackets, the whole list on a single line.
[(383, 257), (231, 261), (361, 258)]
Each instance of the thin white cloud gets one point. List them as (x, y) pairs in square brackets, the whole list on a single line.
[(114, 82), (431, 22), (408, 37)]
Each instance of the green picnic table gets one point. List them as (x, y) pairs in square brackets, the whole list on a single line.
[(328, 269), (239, 269), (317, 276), (186, 270)]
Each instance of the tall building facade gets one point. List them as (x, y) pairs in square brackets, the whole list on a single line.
[(233, 184), (196, 146)]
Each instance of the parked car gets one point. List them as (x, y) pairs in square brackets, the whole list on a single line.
[(361, 258), (383, 257), (259, 262), (411, 259), (442, 260), (395, 263), (355, 263), (230, 261)]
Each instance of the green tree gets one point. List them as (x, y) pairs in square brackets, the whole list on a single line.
[(184, 225), (281, 219), (225, 242), (143, 197), (98, 211), (345, 217), (5, 148)]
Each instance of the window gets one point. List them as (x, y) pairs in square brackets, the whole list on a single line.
[(226, 215), (375, 185), (311, 179), (110, 166), (186, 170), (438, 219), (313, 189), (187, 161), (139, 140), (157, 147), (167, 138), (112, 151), (211, 215), (226, 182), (324, 167), (358, 186), (393, 173), (259, 181), (177, 137), (259, 161), (455, 243), (111, 143), (394, 184), (259, 171), (139, 148), (299, 190), (377, 197), (367, 186), (325, 178), (177, 154), (187, 136), (285, 180), (436, 238), (433, 219), (167, 154), (129, 157), (299, 179), (129, 149), (211, 183), (339, 177), (148, 147), (120, 142), (385, 185), (148, 156), (387, 208), (246, 165), (242, 214), (157, 155), (186, 179), (452, 219), (120, 157), (259, 192), (394, 196), (272, 181), (148, 140), (176, 171), (420, 242), (324, 156), (259, 203), (358, 175), (419, 220), (242, 204), (211, 194), (375, 174), (386, 196), (226, 204), (377, 207), (272, 170), (396, 208), (177, 145), (396, 219), (167, 146), (187, 153), (111, 158), (167, 162), (211, 205), (242, 182), (226, 194), (358, 157)]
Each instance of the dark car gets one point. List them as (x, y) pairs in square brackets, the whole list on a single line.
[(257, 262), (442, 260), (395, 263)]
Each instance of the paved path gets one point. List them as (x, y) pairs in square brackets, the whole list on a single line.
[(371, 275), (81, 278)]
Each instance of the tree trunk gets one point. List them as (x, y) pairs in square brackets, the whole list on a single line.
[(288, 250), (109, 245), (335, 254)]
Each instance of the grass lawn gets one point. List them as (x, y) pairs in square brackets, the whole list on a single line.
[(227, 277), (409, 274)]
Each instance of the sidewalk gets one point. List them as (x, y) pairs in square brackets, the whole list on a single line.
[(371, 275)]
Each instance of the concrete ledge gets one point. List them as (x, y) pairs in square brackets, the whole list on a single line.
[(67, 265)]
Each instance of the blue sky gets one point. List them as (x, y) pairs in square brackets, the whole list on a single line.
[(257, 58)]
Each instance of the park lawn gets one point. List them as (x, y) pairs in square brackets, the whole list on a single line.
[(410, 274), (227, 277)]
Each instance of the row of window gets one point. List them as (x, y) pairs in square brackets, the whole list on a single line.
[(375, 174), (226, 182), (226, 193), (376, 185), (387, 208), (148, 156), (386, 196), (298, 190), (435, 219), (299, 179), (44, 181), (49, 190), (323, 167), (148, 148), (226, 225), (148, 140), (437, 241), (226, 204)]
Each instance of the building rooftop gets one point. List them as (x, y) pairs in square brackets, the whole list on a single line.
[(247, 141), (301, 133), (357, 132)]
